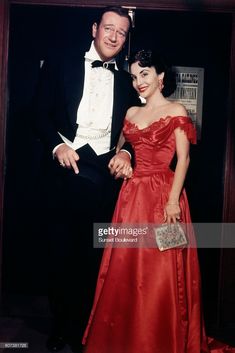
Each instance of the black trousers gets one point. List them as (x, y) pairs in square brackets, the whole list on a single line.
[(75, 203)]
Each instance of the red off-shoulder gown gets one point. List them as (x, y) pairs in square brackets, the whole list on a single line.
[(148, 301)]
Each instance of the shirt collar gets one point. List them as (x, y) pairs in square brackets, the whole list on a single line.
[(92, 55)]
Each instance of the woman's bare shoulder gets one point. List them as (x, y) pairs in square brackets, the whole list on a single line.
[(177, 109), (131, 112)]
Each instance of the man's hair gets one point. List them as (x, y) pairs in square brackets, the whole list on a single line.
[(116, 9)]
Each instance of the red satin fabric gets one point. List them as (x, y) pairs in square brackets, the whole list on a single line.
[(149, 301)]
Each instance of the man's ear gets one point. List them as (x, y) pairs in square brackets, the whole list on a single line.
[(161, 76), (94, 29)]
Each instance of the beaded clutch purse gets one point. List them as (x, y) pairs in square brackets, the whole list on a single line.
[(170, 236)]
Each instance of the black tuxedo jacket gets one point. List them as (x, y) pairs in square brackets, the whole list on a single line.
[(59, 93)]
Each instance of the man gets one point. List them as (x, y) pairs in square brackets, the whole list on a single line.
[(79, 116)]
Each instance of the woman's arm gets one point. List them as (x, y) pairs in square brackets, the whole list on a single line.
[(121, 167), (172, 209), (121, 142)]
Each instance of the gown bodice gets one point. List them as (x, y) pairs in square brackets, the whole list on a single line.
[(154, 146)]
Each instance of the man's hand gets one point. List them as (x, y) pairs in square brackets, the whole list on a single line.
[(120, 165), (67, 157)]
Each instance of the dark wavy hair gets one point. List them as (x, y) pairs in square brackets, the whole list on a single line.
[(150, 58), (123, 12)]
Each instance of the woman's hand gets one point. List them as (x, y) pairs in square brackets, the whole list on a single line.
[(172, 213), (120, 165)]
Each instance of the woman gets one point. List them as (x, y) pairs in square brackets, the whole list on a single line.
[(148, 301)]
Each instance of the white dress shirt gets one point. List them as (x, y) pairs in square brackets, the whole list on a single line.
[(94, 115)]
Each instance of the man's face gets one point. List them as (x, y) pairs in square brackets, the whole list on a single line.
[(110, 35)]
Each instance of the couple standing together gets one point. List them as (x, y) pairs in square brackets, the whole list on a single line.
[(90, 119)]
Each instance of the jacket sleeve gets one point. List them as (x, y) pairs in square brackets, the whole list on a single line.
[(44, 106), (134, 101)]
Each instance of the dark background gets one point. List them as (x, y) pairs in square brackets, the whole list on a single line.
[(187, 39)]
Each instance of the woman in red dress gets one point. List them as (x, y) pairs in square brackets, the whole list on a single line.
[(148, 301)]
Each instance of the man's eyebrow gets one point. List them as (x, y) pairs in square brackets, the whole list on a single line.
[(112, 25), (144, 70)]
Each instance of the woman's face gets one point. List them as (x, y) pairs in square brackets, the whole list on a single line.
[(145, 80)]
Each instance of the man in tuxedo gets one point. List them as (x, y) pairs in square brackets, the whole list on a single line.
[(80, 106)]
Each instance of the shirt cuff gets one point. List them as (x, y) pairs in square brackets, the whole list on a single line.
[(123, 150), (54, 150)]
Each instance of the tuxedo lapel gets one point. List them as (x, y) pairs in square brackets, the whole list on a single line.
[(119, 107), (73, 85)]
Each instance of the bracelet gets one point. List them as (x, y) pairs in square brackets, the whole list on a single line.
[(172, 204)]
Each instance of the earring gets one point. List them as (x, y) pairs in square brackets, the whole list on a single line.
[(160, 84)]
